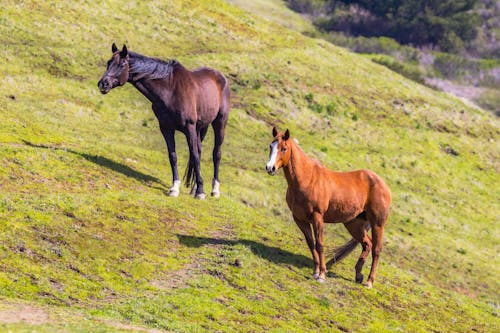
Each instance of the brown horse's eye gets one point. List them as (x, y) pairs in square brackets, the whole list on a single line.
[(283, 149)]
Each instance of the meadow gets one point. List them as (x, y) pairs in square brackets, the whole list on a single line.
[(90, 241)]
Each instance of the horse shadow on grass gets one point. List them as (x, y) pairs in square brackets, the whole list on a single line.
[(107, 163), (269, 253)]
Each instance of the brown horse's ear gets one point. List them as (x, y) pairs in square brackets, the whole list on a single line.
[(124, 51), (275, 131), (286, 136), (114, 48)]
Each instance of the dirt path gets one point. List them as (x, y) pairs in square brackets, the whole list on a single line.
[(23, 313)]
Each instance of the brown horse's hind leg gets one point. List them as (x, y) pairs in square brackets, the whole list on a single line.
[(358, 231), (377, 234), (307, 231)]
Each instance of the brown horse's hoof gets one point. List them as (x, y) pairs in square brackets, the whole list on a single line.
[(316, 276), (320, 280), (369, 285)]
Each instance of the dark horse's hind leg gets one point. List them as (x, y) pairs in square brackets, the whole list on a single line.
[(358, 231), (219, 126), (194, 153), (168, 135), (201, 136)]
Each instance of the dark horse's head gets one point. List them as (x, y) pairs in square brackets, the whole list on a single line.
[(117, 71)]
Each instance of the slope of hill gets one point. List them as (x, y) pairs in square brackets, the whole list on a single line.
[(90, 241)]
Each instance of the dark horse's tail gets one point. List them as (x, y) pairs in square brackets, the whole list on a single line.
[(189, 174), (343, 251)]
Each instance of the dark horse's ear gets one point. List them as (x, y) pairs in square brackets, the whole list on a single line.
[(114, 48), (286, 136), (123, 52), (275, 131)]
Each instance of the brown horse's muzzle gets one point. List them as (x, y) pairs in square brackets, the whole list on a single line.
[(271, 169)]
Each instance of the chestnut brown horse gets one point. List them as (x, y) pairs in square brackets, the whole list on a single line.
[(182, 100), (316, 195)]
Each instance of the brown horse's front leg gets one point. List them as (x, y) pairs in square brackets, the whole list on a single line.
[(305, 227), (318, 226)]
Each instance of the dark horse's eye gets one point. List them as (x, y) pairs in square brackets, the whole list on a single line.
[(109, 63)]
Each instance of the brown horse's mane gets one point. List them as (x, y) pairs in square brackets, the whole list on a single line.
[(142, 67)]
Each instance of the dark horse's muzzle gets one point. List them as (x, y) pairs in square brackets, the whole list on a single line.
[(104, 85)]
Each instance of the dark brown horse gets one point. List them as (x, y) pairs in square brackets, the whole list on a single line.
[(182, 100), (316, 195)]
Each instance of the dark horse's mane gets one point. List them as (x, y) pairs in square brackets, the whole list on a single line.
[(142, 67)]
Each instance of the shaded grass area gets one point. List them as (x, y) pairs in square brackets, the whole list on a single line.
[(88, 231)]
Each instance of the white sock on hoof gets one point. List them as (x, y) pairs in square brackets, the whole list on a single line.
[(200, 196), (174, 190), (215, 188)]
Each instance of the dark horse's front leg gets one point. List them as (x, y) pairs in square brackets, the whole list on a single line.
[(194, 143), (168, 135)]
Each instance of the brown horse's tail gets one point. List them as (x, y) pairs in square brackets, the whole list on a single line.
[(343, 251)]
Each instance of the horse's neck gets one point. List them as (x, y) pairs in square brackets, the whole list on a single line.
[(143, 81), (298, 171), (145, 90)]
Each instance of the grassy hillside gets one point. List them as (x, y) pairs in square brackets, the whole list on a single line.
[(90, 242)]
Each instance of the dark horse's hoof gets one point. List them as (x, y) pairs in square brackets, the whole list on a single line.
[(359, 278), (200, 196)]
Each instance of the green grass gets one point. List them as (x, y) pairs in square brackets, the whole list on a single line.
[(90, 239)]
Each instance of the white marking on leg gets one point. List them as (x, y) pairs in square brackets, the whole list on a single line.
[(215, 188), (175, 189)]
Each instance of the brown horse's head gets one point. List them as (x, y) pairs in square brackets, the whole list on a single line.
[(279, 154), (117, 71)]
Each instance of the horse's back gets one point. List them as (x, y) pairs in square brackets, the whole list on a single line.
[(352, 193)]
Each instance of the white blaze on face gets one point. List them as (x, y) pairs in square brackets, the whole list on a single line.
[(272, 156)]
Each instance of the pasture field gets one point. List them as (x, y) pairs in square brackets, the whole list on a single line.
[(90, 242)]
